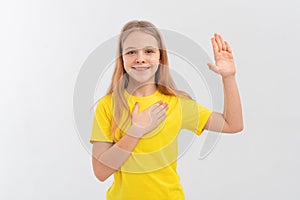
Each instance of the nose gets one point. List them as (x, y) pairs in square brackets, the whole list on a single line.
[(140, 58)]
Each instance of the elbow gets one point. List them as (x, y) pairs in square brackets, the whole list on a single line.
[(233, 128), (100, 177), (101, 172), (241, 127), (237, 129)]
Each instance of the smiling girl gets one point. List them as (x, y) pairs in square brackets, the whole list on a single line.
[(137, 122)]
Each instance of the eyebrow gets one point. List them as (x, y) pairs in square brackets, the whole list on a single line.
[(143, 48)]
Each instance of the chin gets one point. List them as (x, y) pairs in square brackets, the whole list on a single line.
[(143, 80)]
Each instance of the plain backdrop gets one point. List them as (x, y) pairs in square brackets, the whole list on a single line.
[(43, 45)]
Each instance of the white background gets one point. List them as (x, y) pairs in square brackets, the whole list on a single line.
[(44, 43)]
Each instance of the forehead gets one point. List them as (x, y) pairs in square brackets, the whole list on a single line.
[(138, 39)]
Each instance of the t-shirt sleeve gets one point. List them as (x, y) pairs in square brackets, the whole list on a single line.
[(101, 129), (194, 115)]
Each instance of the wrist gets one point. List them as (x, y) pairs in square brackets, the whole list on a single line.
[(228, 78), (135, 131)]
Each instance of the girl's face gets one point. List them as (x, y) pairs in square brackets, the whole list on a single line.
[(140, 57)]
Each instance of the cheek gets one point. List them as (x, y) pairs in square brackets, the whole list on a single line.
[(127, 61), (154, 60)]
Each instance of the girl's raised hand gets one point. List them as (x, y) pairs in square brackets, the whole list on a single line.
[(224, 63)]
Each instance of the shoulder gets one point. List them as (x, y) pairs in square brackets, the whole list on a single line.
[(104, 103), (105, 99), (185, 101), (175, 99), (191, 105)]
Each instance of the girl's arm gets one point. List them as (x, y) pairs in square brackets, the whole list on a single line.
[(231, 121), (108, 158)]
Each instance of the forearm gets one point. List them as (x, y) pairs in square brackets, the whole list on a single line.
[(232, 104), (110, 158), (109, 161)]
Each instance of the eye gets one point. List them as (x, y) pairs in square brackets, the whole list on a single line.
[(130, 52), (149, 51)]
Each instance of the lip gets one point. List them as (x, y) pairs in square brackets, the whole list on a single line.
[(139, 68)]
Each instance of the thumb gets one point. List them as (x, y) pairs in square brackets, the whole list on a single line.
[(213, 67), (136, 107)]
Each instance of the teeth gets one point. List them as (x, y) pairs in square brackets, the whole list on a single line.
[(141, 68)]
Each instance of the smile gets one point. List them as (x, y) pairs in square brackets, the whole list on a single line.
[(141, 68)]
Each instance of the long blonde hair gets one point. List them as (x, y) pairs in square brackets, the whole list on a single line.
[(163, 79)]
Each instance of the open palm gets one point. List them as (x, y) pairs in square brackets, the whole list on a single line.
[(224, 63)]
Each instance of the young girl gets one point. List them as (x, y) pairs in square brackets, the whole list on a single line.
[(137, 122)]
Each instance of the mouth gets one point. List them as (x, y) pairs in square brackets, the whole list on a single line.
[(140, 68)]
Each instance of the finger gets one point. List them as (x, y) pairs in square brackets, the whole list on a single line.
[(161, 108), (159, 102), (166, 107), (161, 117), (223, 43), (215, 46), (155, 106), (213, 67), (228, 47), (136, 107), (218, 42)]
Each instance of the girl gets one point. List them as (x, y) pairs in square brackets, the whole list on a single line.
[(137, 122)]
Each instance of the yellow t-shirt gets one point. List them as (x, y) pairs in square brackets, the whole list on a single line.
[(150, 171)]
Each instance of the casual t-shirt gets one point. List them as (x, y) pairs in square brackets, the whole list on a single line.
[(150, 171)]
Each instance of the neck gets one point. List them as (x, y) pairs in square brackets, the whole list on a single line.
[(141, 89)]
